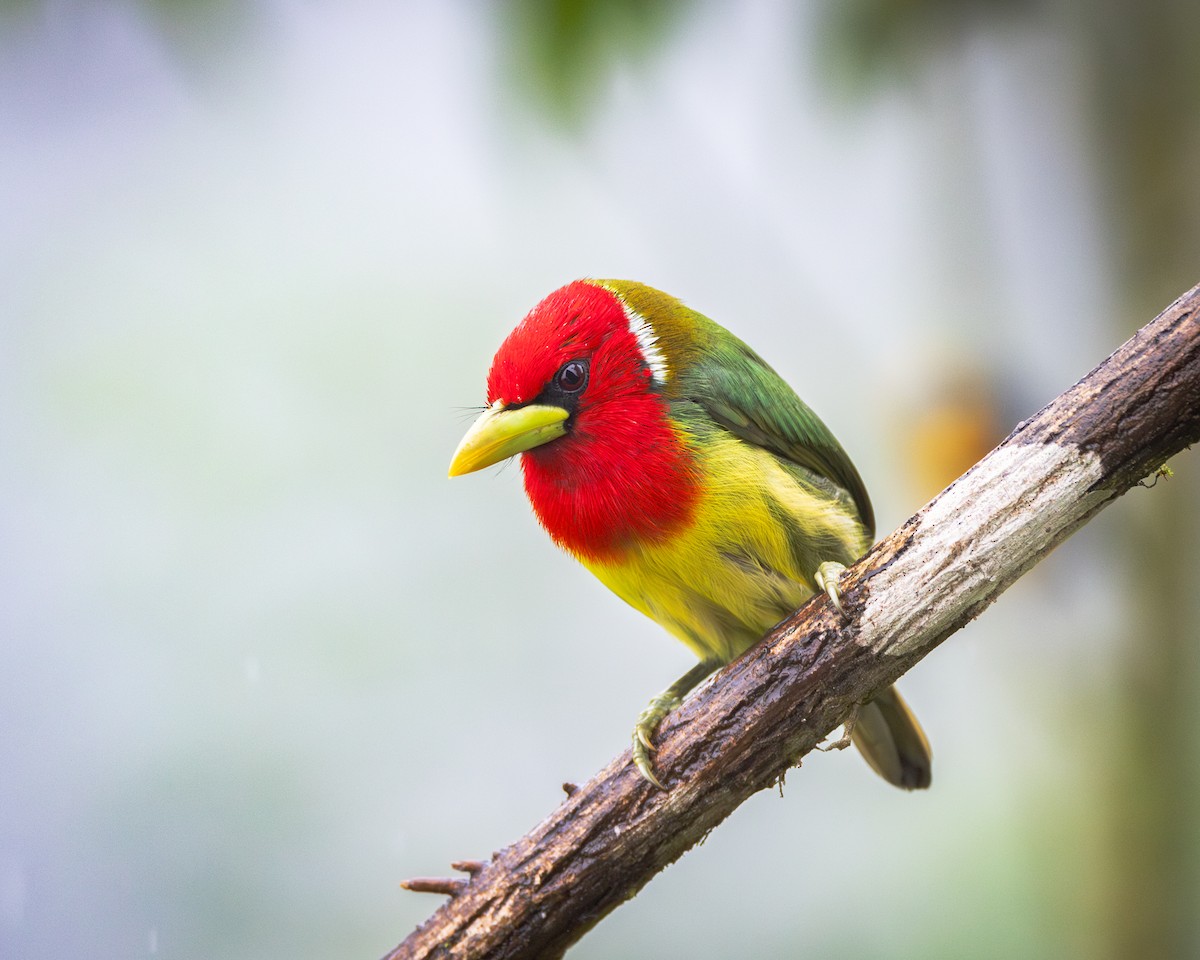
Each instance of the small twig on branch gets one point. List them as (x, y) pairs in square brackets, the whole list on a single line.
[(447, 886), (770, 707)]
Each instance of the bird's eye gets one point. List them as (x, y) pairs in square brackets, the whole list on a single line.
[(572, 377)]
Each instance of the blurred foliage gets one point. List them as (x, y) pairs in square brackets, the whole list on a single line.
[(1143, 98), (178, 16), (873, 42), (197, 30), (560, 50), (1145, 110), (1145, 113)]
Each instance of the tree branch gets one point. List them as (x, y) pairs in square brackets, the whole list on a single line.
[(765, 711)]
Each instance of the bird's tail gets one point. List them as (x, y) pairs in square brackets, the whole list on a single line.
[(891, 740)]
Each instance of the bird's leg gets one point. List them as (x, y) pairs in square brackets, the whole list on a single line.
[(656, 710), (827, 577)]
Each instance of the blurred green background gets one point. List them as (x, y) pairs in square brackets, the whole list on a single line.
[(262, 660)]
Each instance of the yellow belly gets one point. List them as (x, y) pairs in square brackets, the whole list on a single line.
[(746, 561)]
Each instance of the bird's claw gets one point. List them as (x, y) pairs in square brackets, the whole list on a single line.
[(641, 760), (828, 575), (643, 735)]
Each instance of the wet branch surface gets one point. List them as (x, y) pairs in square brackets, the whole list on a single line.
[(741, 732)]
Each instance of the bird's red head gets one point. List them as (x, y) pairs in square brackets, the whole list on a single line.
[(609, 468), (587, 324)]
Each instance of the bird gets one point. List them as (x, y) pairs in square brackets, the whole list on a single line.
[(679, 468)]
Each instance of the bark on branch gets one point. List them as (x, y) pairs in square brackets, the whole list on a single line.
[(764, 712)]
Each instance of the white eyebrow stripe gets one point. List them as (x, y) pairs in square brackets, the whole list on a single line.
[(647, 340)]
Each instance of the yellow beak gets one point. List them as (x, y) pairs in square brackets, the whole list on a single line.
[(500, 432)]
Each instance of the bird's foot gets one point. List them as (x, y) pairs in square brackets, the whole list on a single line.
[(842, 742), (656, 710), (644, 730), (828, 575)]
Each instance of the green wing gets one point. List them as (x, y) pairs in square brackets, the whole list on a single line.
[(745, 396)]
